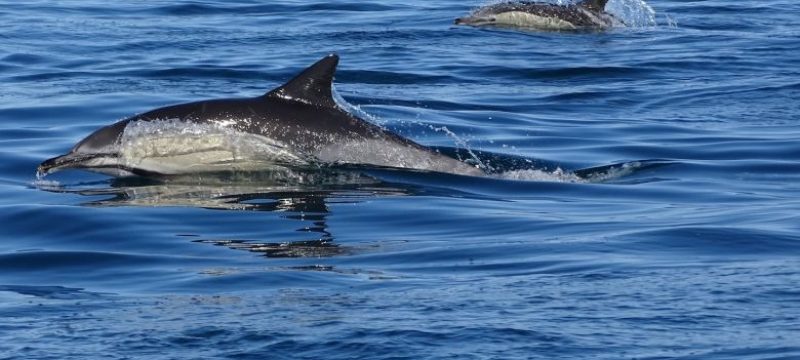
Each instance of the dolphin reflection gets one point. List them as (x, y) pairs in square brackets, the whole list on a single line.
[(305, 195), (301, 196)]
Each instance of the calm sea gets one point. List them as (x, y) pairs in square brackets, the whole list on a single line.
[(691, 251)]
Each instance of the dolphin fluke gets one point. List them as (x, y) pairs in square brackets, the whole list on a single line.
[(313, 86)]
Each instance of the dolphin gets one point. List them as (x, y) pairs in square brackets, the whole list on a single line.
[(297, 125), (585, 15)]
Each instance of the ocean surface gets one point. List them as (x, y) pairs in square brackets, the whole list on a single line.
[(688, 247)]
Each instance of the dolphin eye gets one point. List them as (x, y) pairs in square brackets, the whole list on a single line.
[(492, 19)]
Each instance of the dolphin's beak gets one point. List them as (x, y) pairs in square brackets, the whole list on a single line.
[(55, 164), (66, 161), (475, 20)]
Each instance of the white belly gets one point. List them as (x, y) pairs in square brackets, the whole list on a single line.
[(173, 147), (523, 19)]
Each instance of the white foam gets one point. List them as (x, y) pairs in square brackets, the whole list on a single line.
[(557, 175), (615, 172), (46, 184)]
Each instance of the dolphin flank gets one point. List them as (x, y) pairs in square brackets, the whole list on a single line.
[(296, 125), (585, 15)]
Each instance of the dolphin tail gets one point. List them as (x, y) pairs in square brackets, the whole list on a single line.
[(594, 5), (312, 86)]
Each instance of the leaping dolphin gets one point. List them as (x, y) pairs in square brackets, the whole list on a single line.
[(585, 15), (298, 124)]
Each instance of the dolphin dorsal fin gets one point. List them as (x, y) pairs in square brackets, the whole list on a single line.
[(594, 5), (312, 86)]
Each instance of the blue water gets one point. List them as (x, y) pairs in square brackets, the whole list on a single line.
[(692, 253)]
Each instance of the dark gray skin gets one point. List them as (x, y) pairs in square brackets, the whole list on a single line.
[(301, 114), (588, 14)]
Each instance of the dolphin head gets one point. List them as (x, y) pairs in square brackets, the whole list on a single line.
[(97, 152), (483, 16)]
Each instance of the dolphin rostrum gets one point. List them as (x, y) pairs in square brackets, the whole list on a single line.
[(585, 15), (296, 125)]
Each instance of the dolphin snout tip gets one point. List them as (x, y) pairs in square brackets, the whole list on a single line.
[(48, 166), (44, 169)]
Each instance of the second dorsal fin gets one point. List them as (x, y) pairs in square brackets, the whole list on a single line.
[(313, 86)]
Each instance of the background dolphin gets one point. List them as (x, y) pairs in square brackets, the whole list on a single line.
[(295, 125), (588, 14)]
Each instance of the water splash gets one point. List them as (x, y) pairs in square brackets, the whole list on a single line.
[(354, 109), (670, 21), (634, 13), (462, 144), (457, 140)]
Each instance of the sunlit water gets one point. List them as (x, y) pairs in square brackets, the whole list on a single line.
[(686, 248)]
